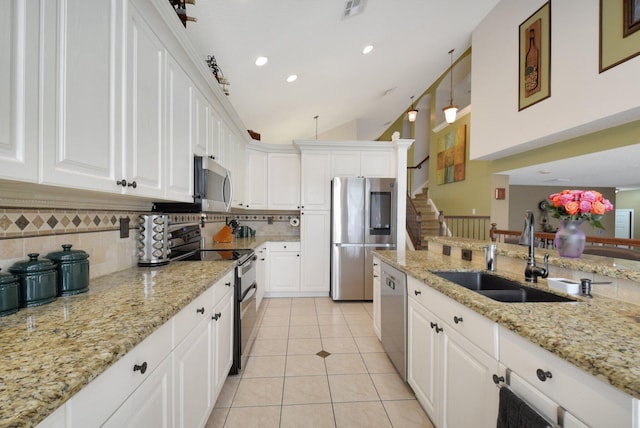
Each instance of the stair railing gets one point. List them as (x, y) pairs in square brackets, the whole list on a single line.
[(414, 224), (465, 226), (410, 171)]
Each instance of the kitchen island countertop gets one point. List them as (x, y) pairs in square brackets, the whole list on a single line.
[(599, 335)]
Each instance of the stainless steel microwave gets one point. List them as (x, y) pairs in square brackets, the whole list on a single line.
[(213, 191)]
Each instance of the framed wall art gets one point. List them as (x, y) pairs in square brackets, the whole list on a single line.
[(452, 154), (619, 32), (535, 58)]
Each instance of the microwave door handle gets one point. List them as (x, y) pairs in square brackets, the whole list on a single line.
[(227, 181)]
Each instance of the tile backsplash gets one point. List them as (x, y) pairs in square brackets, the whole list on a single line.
[(34, 230)]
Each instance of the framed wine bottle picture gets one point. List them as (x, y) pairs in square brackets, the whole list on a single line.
[(535, 58)]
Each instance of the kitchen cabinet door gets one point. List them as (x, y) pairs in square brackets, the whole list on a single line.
[(19, 49), (214, 144), (377, 164), (315, 240), (345, 164), (179, 157), (423, 353), (256, 183), (200, 124), (143, 149), (81, 94), (239, 172), (315, 180), (222, 341), (376, 297), (262, 275), (468, 391), (284, 181), (151, 405), (194, 376), (284, 268)]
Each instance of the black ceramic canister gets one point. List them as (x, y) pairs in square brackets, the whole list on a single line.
[(38, 280), (9, 294), (73, 270)]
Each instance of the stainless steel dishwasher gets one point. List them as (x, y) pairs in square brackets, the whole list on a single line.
[(393, 316)]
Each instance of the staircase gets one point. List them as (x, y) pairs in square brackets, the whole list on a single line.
[(430, 225)]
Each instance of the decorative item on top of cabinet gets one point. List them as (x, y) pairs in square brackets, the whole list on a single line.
[(180, 7), (217, 73)]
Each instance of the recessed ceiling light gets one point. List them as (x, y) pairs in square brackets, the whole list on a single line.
[(261, 60), (367, 49), (292, 78)]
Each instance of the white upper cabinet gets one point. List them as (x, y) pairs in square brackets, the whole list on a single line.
[(345, 164), (316, 180), (256, 184), (378, 164), (81, 94), (214, 146), (143, 146), (284, 181), (18, 103), (200, 124), (179, 158)]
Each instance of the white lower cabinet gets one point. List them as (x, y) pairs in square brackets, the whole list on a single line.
[(222, 341), (172, 378), (151, 405), (284, 268), (376, 297), (194, 377), (582, 398), (450, 375), (315, 237)]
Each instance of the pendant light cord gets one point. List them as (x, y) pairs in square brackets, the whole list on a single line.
[(451, 78)]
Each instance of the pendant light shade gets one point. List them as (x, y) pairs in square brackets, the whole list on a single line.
[(451, 110), (413, 113)]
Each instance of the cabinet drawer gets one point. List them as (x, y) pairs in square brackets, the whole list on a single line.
[(284, 246), (223, 286), (591, 400), (479, 330), (194, 312), (103, 395)]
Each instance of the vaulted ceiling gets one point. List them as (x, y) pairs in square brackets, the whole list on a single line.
[(315, 41)]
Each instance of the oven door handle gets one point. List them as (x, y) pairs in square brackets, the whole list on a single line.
[(249, 293)]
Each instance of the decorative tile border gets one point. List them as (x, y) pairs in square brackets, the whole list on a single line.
[(28, 222)]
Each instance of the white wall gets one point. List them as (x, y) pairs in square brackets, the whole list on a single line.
[(582, 100)]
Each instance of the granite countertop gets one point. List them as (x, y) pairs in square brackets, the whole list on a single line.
[(51, 352), (607, 266), (599, 335)]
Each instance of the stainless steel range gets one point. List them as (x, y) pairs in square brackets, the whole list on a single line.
[(183, 243)]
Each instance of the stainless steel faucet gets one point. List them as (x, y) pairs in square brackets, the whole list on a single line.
[(531, 271)]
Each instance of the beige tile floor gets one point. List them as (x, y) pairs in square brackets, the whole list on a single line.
[(285, 384)]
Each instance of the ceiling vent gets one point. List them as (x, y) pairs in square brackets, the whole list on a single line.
[(352, 8)]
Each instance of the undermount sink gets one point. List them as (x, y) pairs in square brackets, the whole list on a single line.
[(498, 288)]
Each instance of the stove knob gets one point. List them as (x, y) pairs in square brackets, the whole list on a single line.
[(157, 237), (157, 245), (158, 220), (140, 254), (140, 245), (157, 253), (158, 228)]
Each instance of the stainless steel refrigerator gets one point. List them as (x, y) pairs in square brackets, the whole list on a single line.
[(363, 218)]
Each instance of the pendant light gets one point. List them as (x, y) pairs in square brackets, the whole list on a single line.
[(413, 113), (450, 110)]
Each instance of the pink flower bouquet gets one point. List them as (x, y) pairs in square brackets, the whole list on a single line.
[(581, 205)]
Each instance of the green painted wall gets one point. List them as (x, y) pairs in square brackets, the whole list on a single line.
[(630, 199)]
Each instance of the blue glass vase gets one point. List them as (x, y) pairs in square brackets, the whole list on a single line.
[(570, 239)]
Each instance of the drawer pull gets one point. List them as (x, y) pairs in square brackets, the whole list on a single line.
[(217, 316), (456, 319), (228, 284), (497, 379), (200, 310), (417, 292), (542, 375), (434, 325), (142, 368)]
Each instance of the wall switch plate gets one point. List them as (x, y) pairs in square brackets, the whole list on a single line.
[(466, 255), (124, 227), (446, 250)]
